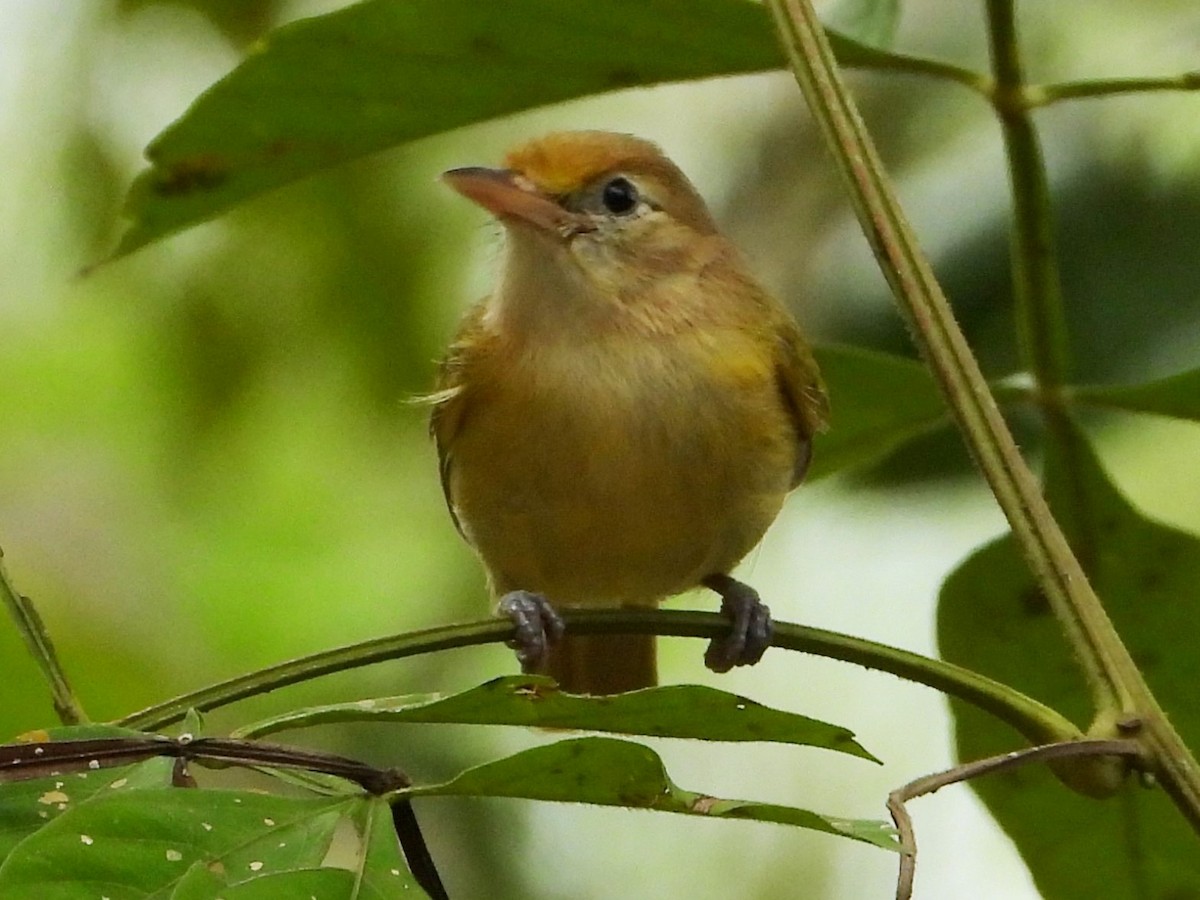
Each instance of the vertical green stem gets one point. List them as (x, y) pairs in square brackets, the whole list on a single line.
[(1042, 335), (29, 623), (1037, 286), (1116, 680)]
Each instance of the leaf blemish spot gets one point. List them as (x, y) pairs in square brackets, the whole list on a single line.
[(624, 78), (484, 45), (205, 171)]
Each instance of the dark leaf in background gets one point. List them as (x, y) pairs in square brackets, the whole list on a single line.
[(991, 618), (878, 402), (1177, 396)]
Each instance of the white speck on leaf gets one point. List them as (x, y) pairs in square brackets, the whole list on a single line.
[(53, 797), (86, 839), (268, 822), (174, 855), (93, 763), (119, 783), (256, 865), (206, 826)]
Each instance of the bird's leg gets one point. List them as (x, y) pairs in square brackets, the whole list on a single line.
[(750, 635), (536, 625)]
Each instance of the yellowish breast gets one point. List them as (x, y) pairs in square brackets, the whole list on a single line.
[(618, 472)]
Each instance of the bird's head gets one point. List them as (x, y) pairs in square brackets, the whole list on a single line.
[(609, 206)]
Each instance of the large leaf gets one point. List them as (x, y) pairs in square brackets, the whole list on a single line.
[(136, 843), (382, 870), (679, 711), (878, 402), (332, 88), (128, 830), (28, 806), (1177, 396), (992, 618), (609, 772)]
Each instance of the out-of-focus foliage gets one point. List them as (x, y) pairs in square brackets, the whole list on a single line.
[(206, 463)]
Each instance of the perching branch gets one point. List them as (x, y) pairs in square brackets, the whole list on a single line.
[(1037, 722)]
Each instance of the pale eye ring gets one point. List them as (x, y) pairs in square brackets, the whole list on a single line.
[(619, 196)]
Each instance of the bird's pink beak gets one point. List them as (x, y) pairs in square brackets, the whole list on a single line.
[(509, 196)]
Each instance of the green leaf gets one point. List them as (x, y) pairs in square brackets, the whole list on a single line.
[(870, 22), (678, 711), (375, 74), (382, 869), (135, 843), (28, 806), (1177, 396), (298, 883), (878, 402), (992, 618), (332, 88), (609, 772)]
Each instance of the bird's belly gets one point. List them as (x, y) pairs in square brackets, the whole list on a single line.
[(621, 493)]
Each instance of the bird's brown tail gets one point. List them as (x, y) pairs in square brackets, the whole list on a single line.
[(604, 663)]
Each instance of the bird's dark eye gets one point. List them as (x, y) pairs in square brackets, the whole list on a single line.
[(619, 196)]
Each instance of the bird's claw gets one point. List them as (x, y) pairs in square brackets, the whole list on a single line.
[(536, 625), (751, 630)]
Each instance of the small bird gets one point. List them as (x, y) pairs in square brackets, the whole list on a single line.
[(621, 419)]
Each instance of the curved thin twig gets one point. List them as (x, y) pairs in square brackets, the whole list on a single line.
[(928, 784)]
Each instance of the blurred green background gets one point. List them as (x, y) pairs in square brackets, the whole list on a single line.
[(208, 464)]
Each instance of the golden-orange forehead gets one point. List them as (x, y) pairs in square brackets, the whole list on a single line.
[(566, 160)]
